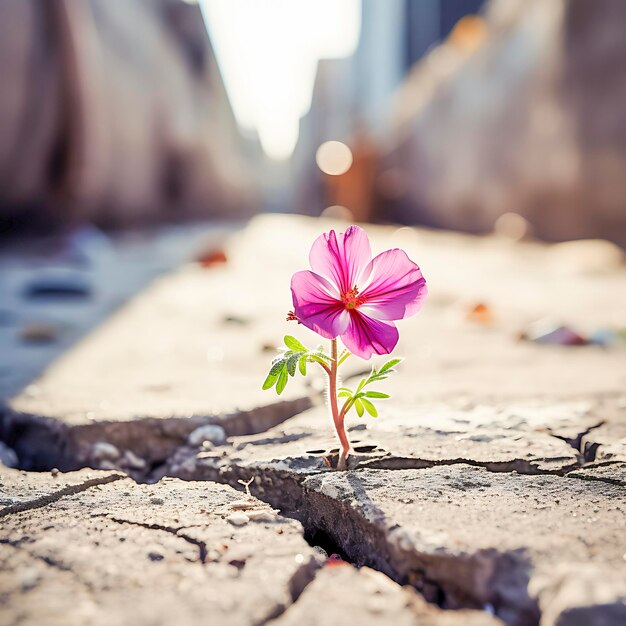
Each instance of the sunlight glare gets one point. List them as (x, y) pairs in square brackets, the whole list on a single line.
[(268, 53)]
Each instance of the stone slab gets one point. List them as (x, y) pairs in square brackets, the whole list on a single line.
[(533, 438), (180, 347), (501, 539), (368, 598), (124, 553)]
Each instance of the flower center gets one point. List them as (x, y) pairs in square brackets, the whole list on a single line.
[(352, 299)]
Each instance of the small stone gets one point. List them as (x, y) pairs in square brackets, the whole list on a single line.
[(479, 313), (39, 332), (157, 501), (107, 465), (132, 461), (321, 551), (104, 451), (8, 456), (155, 556), (54, 472), (211, 257), (261, 516), (603, 337), (241, 505), (549, 334), (236, 319), (238, 519), (334, 560), (58, 285), (209, 432)]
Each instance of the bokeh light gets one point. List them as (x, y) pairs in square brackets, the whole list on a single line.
[(334, 158)]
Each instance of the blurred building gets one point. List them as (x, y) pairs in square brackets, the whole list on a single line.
[(352, 98), (520, 113), (114, 111)]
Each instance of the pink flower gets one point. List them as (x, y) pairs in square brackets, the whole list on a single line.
[(352, 296)]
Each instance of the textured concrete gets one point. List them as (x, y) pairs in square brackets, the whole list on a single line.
[(118, 552), (491, 484)]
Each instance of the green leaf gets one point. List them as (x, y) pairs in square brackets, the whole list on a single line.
[(388, 365), (376, 394), (358, 405), (277, 365), (282, 381), (269, 381), (344, 394), (294, 344), (369, 407), (343, 358), (344, 389), (292, 361), (362, 384), (302, 365)]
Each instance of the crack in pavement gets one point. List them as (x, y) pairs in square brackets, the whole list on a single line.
[(519, 465), (364, 543), (576, 442), (42, 442), (55, 496), (201, 545), (300, 580)]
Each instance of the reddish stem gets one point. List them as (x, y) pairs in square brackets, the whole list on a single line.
[(338, 416)]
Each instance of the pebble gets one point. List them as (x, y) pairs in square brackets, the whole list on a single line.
[(334, 560), (479, 313), (238, 519), (39, 332), (548, 334), (236, 319), (241, 505), (157, 501), (104, 451), (261, 516), (211, 257), (603, 337), (7, 456), (133, 461), (209, 432), (58, 285)]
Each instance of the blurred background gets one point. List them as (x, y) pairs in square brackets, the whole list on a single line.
[(139, 135), (503, 115)]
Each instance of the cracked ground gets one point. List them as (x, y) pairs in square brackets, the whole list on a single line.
[(490, 490)]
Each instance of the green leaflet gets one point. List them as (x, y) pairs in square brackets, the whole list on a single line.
[(369, 407), (362, 400), (294, 356), (293, 344)]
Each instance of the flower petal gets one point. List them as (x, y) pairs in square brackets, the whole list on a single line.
[(317, 306), (396, 288), (342, 257), (366, 336)]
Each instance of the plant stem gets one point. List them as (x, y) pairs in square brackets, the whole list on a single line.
[(338, 417)]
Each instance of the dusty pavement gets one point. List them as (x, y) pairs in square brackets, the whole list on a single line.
[(490, 490)]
